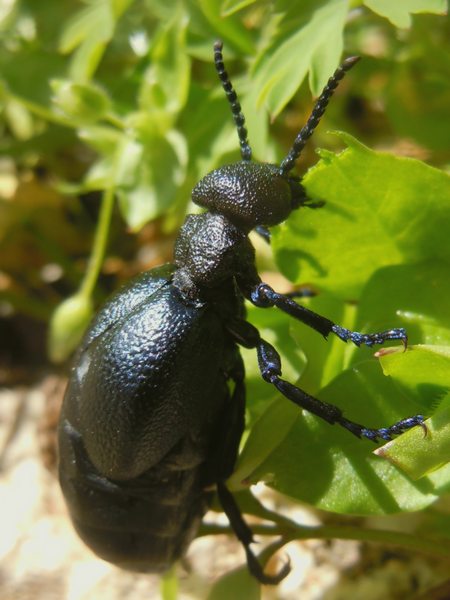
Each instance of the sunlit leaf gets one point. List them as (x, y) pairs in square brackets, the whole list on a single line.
[(399, 12), (87, 33), (236, 584), (380, 210), (418, 453), (315, 48), (326, 466)]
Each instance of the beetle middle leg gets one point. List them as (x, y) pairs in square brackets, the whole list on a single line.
[(263, 296), (269, 362)]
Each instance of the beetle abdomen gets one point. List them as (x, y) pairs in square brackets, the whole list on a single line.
[(144, 524)]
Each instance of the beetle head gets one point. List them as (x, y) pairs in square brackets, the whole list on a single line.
[(252, 194), (249, 193)]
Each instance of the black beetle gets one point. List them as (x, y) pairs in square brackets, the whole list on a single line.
[(154, 410)]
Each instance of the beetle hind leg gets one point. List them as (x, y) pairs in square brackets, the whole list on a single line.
[(245, 536), (269, 362), (270, 366)]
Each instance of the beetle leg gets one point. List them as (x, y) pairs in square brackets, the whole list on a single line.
[(263, 232), (264, 296), (222, 454), (270, 366), (269, 362), (303, 292), (222, 461), (245, 536)]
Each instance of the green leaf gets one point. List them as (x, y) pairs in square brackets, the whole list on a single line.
[(418, 94), (279, 417), (418, 453), (315, 48), (85, 103), (380, 210), (237, 583), (229, 7), (103, 139), (19, 119), (412, 296), (230, 30), (87, 34), (399, 12), (148, 176), (411, 368), (327, 467), (166, 82)]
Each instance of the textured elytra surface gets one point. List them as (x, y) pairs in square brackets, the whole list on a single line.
[(139, 423), (134, 379)]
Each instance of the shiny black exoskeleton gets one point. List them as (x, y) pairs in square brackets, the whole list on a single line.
[(154, 410)]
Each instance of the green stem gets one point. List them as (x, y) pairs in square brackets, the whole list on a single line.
[(99, 246), (436, 547), (52, 117), (101, 235), (114, 120), (42, 111)]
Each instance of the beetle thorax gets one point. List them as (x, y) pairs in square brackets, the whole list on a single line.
[(207, 251)]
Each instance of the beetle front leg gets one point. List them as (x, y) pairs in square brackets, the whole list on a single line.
[(263, 296)]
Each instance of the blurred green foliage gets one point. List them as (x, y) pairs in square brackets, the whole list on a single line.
[(123, 94), (118, 100)]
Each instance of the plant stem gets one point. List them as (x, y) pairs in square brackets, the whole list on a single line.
[(436, 547), (99, 245), (42, 111), (53, 117)]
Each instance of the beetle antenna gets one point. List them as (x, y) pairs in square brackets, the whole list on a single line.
[(319, 108), (239, 119)]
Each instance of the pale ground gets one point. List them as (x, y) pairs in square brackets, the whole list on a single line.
[(41, 557)]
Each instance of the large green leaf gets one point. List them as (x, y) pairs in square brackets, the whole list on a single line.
[(326, 466), (308, 459), (419, 453), (380, 210), (315, 47), (399, 12), (411, 296), (87, 33)]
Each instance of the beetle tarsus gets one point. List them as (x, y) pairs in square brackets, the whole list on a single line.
[(370, 339)]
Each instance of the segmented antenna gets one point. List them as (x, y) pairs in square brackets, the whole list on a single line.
[(319, 108), (239, 119)]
